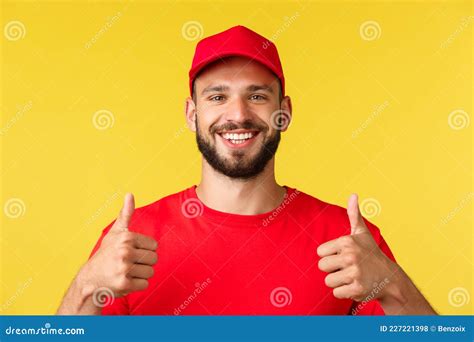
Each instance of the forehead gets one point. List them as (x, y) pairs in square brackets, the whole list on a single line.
[(237, 71)]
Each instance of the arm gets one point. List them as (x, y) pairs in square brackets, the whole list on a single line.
[(78, 299), (401, 297)]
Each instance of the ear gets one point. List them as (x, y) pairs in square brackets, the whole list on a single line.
[(287, 110), (190, 113)]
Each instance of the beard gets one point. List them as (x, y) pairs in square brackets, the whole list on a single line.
[(239, 165)]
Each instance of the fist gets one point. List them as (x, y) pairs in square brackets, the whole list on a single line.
[(355, 263), (124, 262)]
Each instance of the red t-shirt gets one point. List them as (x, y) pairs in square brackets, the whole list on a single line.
[(216, 263)]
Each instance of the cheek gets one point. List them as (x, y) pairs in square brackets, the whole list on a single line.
[(206, 119), (267, 115), (266, 122)]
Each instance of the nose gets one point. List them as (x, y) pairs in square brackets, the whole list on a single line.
[(237, 110)]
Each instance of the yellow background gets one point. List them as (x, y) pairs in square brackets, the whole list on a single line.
[(370, 116)]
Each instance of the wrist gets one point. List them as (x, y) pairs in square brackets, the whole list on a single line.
[(81, 290), (401, 297), (79, 298), (83, 283), (394, 290)]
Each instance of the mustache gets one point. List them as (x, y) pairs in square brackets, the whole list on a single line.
[(229, 126)]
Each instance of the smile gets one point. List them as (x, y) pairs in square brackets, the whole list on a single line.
[(238, 139)]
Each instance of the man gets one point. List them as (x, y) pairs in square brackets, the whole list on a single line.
[(239, 243)]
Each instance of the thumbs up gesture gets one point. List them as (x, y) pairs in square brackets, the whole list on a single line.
[(354, 262), (124, 261)]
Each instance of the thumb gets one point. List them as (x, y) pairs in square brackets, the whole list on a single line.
[(355, 217), (125, 215)]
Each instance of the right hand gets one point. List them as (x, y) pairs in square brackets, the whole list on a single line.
[(124, 261)]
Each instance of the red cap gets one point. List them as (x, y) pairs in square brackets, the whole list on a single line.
[(236, 41)]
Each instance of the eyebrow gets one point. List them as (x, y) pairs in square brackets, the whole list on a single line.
[(257, 87), (223, 88), (217, 88)]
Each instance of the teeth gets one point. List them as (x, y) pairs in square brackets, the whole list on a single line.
[(237, 136)]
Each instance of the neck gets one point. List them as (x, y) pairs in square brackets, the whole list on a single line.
[(253, 196)]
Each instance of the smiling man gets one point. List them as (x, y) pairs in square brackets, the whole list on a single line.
[(239, 243)]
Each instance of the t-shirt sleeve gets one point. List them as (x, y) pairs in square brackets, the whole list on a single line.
[(115, 306), (373, 307)]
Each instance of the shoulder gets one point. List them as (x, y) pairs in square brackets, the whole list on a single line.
[(168, 203), (149, 218), (153, 216), (316, 208), (331, 218)]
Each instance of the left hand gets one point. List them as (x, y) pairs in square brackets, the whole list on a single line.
[(355, 263)]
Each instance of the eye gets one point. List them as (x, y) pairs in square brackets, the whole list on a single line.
[(216, 98), (257, 97)]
